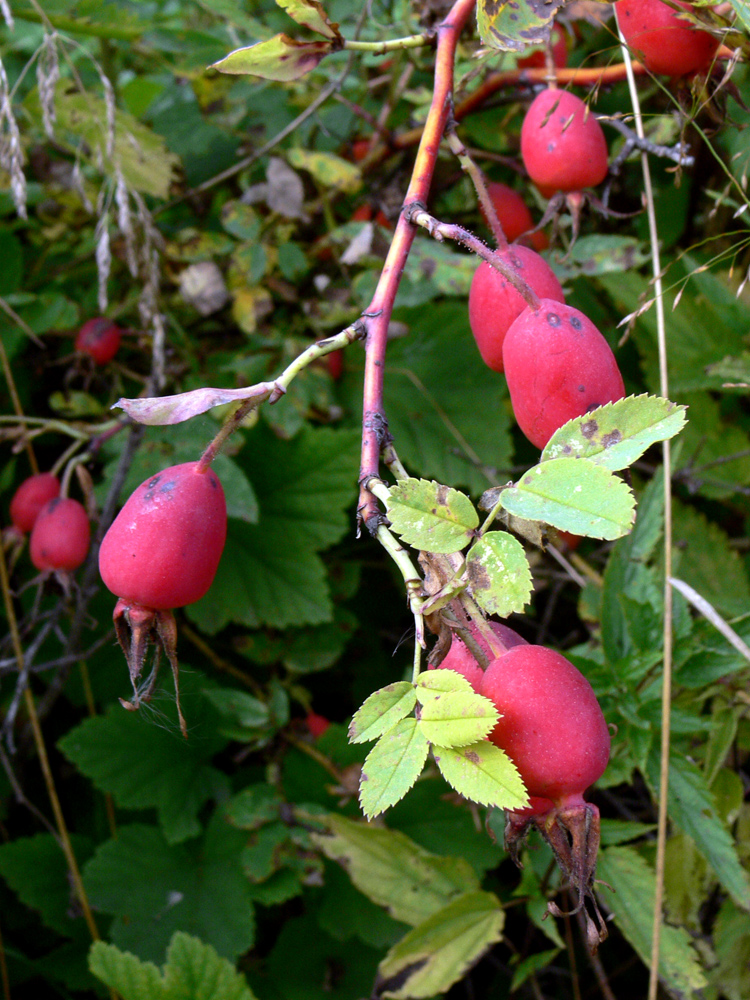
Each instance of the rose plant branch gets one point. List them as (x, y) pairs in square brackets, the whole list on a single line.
[(378, 313)]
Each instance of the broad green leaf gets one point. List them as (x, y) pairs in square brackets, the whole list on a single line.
[(511, 26), (146, 163), (457, 718), (450, 272), (143, 766), (35, 868), (731, 941), (153, 889), (632, 906), (310, 14), (692, 808), (331, 171), (439, 951), (434, 683), (616, 434), (742, 12), (430, 516), (392, 766), (381, 711), (279, 58), (573, 495), (270, 572), (393, 871), (254, 806), (499, 574), (482, 773), (130, 977), (242, 715)]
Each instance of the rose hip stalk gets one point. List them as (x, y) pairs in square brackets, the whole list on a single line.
[(162, 552)]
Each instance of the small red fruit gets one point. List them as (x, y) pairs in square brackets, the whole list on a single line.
[(335, 364), (558, 366), (163, 548), (460, 658), (30, 497), (494, 303), (316, 724), (562, 144), (550, 725), (61, 535), (663, 40), (100, 339)]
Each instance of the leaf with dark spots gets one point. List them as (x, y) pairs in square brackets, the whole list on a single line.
[(397, 981)]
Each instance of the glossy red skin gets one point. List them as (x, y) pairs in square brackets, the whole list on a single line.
[(536, 807), (494, 303), (562, 144), (559, 53), (100, 339), (163, 548), (558, 366), (460, 659), (61, 535), (551, 724), (30, 497), (662, 40)]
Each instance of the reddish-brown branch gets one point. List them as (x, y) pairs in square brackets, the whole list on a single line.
[(378, 313)]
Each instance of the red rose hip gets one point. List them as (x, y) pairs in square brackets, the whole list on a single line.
[(30, 497), (163, 548), (61, 535), (494, 303), (663, 40), (100, 339), (558, 366)]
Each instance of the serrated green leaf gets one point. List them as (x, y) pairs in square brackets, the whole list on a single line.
[(440, 950), (457, 718), (511, 26), (329, 170), (392, 766), (279, 58), (499, 574), (393, 871), (585, 499), (616, 434), (600, 253), (381, 711), (131, 978), (483, 773), (310, 14), (430, 516), (174, 777), (195, 971), (433, 683), (632, 907)]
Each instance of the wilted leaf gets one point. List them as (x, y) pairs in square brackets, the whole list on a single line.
[(573, 495), (279, 58), (310, 14), (330, 171), (512, 25), (162, 410), (616, 434), (430, 516), (440, 950)]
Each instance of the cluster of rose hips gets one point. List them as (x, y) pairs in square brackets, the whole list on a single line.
[(58, 526)]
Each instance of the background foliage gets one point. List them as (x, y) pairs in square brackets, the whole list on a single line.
[(213, 217)]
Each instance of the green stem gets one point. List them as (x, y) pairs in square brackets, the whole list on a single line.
[(394, 44)]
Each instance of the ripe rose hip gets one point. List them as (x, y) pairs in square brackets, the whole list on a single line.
[(562, 144), (30, 497), (558, 366), (163, 548), (550, 725), (494, 303), (61, 535), (663, 40), (100, 339)]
